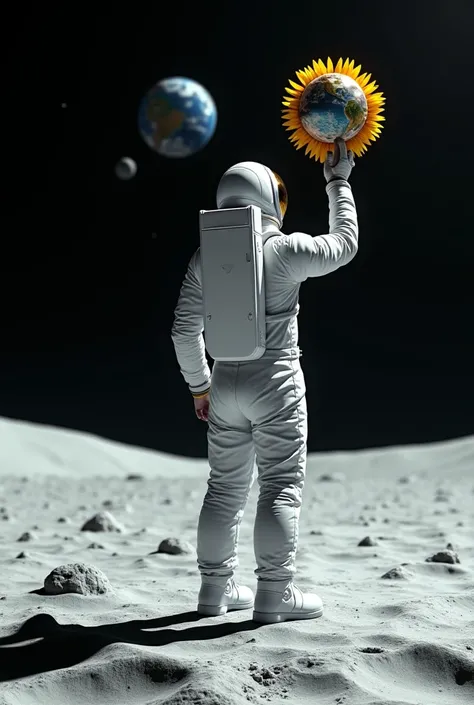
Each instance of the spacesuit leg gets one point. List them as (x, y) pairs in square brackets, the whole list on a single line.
[(280, 436), (231, 458)]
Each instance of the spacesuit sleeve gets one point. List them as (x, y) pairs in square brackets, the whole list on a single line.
[(187, 331), (308, 256)]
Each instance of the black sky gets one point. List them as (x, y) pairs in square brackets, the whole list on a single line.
[(91, 267)]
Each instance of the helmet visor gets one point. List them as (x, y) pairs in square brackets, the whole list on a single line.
[(282, 194)]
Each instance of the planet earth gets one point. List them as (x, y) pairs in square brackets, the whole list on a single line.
[(332, 106), (177, 117)]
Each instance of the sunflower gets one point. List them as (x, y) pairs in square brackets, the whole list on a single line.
[(316, 148)]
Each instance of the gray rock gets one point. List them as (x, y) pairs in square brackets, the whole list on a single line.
[(445, 556), (175, 546), (406, 479), (396, 574), (443, 495), (78, 578), (332, 477), (103, 521), (368, 541)]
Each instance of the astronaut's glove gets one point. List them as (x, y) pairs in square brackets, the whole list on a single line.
[(338, 165)]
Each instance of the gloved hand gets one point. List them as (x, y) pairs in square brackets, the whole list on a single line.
[(201, 407), (339, 165)]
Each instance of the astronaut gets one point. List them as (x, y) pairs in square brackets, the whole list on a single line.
[(256, 410)]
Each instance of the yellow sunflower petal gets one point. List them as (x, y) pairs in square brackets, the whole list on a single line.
[(295, 86), (316, 68)]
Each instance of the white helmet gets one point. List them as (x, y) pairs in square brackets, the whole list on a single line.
[(253, 184)]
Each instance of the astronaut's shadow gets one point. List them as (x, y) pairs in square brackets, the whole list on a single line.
[(64, 645)]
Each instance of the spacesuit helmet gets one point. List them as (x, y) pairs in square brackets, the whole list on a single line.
[(253, 184)]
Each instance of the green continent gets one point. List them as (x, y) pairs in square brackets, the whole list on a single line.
[(355, 114), (332, 85)]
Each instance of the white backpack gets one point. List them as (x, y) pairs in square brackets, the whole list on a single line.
[(233, 283)]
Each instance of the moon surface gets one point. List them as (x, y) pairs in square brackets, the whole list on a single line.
[(99, 583)]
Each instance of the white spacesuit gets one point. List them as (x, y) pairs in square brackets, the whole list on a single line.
[(258, 408)]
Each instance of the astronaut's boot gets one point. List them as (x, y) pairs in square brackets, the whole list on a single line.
[(281, 601), (217, 596)]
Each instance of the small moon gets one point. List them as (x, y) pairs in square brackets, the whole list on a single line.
[(125, 169)]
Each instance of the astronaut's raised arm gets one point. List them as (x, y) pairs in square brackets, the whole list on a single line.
[(187, 330), (308, 256)]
